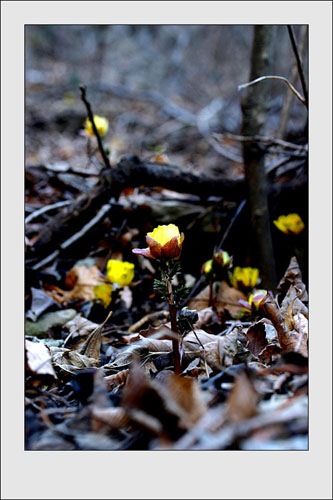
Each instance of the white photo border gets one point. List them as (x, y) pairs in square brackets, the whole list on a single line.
[(131, 474)]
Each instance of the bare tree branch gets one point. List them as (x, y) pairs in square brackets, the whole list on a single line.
[(274, 77), (299, 63)]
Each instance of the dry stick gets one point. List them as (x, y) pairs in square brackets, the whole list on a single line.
[(274, 77), (203, 347), (226, 232), (146, 318), (99, 216), (264, 139), (299, 64), (293, 78), (45, 209), (91, 118)]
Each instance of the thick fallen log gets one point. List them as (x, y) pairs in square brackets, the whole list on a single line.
[(132, 172)]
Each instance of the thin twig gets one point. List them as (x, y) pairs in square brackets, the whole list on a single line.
[(274, 77), (226, 232), (203, 348), (264, 139), (91, 118), (45, 209), (299, 63), (99, 216), (146, 318)]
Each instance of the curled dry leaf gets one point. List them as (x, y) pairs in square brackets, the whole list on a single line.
[(157, 413), (81, 281), (142, 347), (205, 316), (70, 362), (289, 337), (292, 276), (262, 342), (39, 358), (219, 351), (117, 379), (80, 326)]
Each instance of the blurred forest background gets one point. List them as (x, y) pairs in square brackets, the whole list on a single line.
[(165, 90)]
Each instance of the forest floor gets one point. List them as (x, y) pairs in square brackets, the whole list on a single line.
[(98, 340)]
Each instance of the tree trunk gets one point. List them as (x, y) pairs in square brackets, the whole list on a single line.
[(254, 107)]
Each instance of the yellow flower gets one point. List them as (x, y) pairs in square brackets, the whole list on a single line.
[(254, 301), (101, 123), (120, 272), (164, 242), (256, 298), (290, 224), (245, 277), (103, 293), (207, 267), (222, 259)]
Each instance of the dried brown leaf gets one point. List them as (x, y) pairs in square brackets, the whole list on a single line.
[(186, 393), (108, 419), (292, 276), (81, 281), (117, 379), (243, 399), (226, 299), (290, 339)]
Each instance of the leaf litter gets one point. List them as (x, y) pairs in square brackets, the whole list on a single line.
[(254, 395)]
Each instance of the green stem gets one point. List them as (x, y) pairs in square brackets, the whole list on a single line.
[(174, 326)]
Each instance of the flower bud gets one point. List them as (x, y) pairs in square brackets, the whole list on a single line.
[(164, 242)]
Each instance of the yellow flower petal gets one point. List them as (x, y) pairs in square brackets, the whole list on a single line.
[(245, 276), (163, 234), (289, 224), (101, 123), (120, 272), (103, 293), (207, 267)]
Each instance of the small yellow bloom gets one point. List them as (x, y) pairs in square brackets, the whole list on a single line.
[(207, 267), (164, 242), (120, 272), (101, 123), (256, 298), (222, 259), (246, 277), (290, 224), (103, 293)]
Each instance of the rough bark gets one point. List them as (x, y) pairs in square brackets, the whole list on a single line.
[(254, 107)]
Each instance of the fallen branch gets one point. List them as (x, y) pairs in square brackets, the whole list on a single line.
[(131, 172), (101, 214), (44, 210)]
